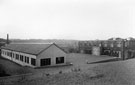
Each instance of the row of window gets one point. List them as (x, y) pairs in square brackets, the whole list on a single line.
[(112, 45), (85, 44), (111, 53), (105, 44), (47, 61), (22, 58)]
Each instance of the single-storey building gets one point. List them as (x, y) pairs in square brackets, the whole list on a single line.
[(34, 55)]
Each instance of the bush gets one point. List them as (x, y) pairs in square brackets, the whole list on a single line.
[(75, 69), (22, 78), (47, 74), (22, 71), (60, 72)]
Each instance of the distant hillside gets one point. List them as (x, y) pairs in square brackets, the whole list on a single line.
[(57, 41), (2, 40)]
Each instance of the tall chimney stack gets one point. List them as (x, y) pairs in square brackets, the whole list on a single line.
[(7, 39)]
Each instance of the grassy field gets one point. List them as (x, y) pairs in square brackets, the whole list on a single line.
[(78, 60), (81, 73), (113, 73), (13, 68)]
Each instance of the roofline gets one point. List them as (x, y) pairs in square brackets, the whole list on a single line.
[(39, 52), (59, 47), (18, 51), (22, 51), (44, 49), (49, 47), (33, 43)]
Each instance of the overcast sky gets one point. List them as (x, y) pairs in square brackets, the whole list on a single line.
[(67, 19)]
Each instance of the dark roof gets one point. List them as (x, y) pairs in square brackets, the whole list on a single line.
[(28, 48)]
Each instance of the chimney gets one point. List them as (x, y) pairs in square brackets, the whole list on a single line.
[(7, 39)]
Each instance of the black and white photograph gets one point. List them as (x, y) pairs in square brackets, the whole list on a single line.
[(67, 42)]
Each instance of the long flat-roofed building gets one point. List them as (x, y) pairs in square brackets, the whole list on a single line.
[(34, 55)]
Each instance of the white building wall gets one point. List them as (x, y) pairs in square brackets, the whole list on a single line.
[(95, 50), (18, 61), (119, 54), (52, 52), (5, 56)]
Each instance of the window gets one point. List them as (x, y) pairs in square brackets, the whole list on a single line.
[(59, 60), (13, 55), (126, 44), (27, 58), (10, 54), (17, 56), (117, 53), (7, 53), (112, 45), (21, 57), (46, 61), (119, 44), (33, 61)]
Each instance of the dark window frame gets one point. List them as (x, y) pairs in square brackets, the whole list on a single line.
[(17, 56), (27, 58), (21, 58), (33, 61), (45, 62), (60, 60)]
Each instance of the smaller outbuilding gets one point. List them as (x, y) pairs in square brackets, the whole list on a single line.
[(34, 55)]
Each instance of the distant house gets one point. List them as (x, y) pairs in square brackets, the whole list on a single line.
[(103, 47), (34, 55), (115, 47), (90, 47)]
